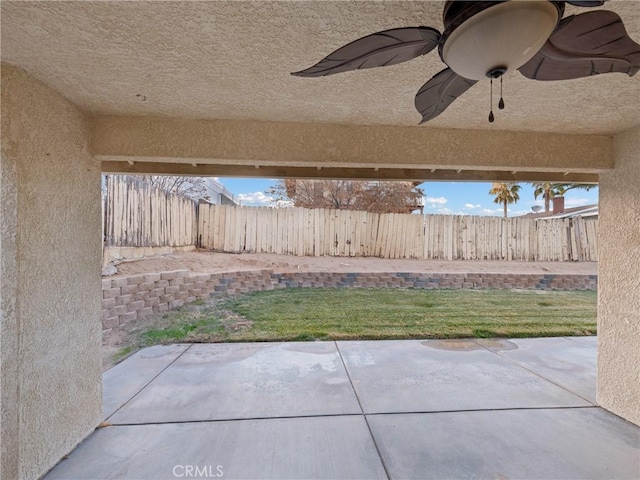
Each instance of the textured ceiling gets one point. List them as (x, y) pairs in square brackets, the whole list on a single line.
[(231, 60)]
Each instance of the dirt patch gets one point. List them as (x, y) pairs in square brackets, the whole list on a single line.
[(205, 261), (119, 342)]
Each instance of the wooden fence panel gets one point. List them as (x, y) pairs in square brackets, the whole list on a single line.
[(138, 215)]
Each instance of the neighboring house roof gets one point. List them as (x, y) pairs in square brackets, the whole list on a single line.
[(583, 211), (219, 193)]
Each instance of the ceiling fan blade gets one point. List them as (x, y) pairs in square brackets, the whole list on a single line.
[(437, 94), (586, 3), (376, 50), (583, 45)]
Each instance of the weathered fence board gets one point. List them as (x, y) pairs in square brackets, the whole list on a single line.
[(320, 232), (137, 215)]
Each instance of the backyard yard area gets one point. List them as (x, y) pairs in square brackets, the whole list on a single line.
[(349, 314)]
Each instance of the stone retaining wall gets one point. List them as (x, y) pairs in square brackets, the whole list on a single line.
[(127, 298)]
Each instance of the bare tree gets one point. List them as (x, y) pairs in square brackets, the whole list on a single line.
[(193, 187), (379, 197), (391, 197)]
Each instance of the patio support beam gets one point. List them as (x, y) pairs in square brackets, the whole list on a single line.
[(284, 145), (50, 290), (376, 173), (619, 281)]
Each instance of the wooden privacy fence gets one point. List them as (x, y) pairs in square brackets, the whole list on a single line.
[(138, 215), (319, 232)]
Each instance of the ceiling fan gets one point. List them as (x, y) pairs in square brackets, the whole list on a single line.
[(486, 39)]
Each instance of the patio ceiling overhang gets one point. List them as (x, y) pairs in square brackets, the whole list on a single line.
[(297, 150), (173, 84)]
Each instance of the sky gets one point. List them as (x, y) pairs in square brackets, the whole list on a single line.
[(448, 198)]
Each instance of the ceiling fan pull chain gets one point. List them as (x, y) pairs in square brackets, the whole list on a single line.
[(501, 102), (491, 117)]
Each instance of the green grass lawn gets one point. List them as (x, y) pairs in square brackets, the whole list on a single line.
[(341, 314)]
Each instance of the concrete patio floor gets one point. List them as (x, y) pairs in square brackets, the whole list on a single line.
[(498, 409)]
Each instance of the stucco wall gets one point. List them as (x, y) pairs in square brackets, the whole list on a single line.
[(619, 281), (50, 192), (8, 323), (233, 142)]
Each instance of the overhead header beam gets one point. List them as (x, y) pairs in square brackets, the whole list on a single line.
[(277, 144), (423, 174)]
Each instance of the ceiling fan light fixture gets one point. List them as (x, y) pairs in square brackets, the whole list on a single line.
[(504, 36), (484, 38)]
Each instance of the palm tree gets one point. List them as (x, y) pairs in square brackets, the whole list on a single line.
[(551, 190), (561, 188), (546, 190), (505, 193)]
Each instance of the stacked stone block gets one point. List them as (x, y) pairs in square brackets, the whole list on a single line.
[(128, 298)]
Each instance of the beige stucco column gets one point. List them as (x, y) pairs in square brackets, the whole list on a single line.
[(619, 281), (50, 371)]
